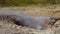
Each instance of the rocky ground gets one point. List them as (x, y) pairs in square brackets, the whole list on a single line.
[(8, 27)]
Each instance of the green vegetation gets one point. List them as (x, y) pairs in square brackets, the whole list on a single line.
[(28, 2)]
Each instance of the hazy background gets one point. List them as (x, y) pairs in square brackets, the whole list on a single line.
[(29, 2)]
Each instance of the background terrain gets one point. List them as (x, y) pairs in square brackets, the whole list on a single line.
[(33, 8), (5, 3)]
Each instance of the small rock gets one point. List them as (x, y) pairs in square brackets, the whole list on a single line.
[(57, 24)]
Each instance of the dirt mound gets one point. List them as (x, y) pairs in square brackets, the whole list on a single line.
[(8, 27)]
